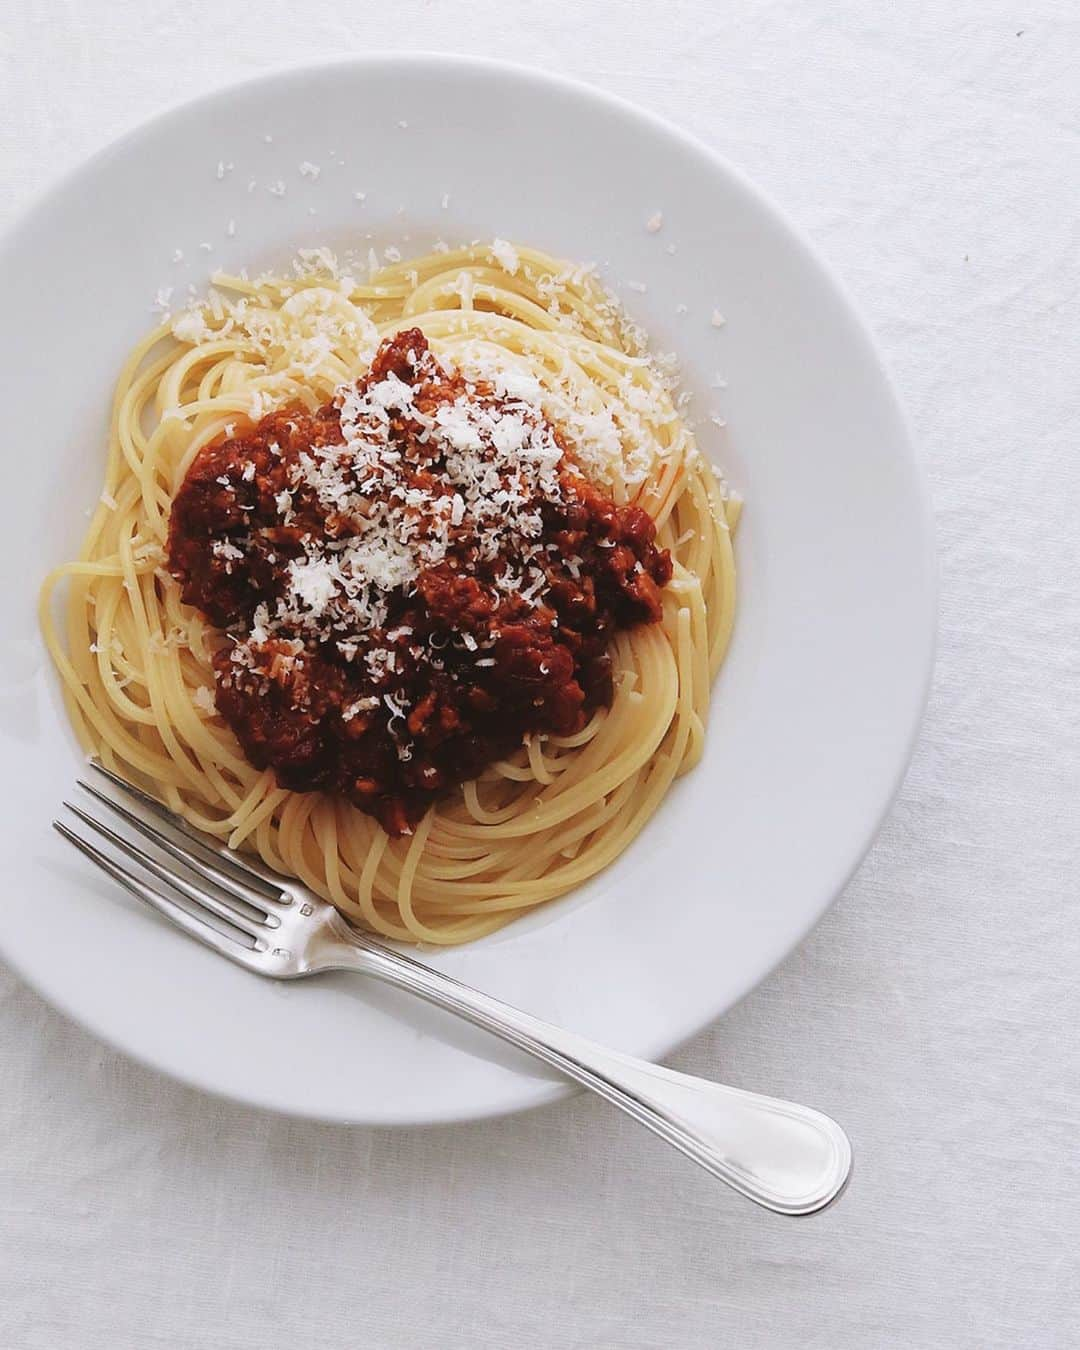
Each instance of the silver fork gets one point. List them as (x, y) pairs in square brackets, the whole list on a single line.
[(786, 1157)]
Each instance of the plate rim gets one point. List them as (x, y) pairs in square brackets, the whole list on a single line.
[(543, 1092)]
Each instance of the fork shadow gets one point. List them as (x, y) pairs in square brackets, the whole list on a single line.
[(395, 1005), (424, 1019)]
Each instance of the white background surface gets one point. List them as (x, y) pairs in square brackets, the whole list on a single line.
[(931, 151)]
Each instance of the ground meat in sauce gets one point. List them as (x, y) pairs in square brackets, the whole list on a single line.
[(459, 672)]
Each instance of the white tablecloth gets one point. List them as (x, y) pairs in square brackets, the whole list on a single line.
[(931, 151)]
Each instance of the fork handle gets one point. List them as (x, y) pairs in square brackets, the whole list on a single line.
[(788, 1158)]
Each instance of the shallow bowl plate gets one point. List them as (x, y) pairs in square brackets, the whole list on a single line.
[(815, 710)]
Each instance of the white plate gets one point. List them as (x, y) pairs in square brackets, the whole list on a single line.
[(815, 710)]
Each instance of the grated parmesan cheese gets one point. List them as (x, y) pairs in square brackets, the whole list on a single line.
[(203, 699), (506, 255), (501, 458), (500, 461), (191, 327)]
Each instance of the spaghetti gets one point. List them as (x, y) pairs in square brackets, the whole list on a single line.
[(137, 663)]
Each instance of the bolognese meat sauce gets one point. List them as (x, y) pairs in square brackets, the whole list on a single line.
[(409, 580)]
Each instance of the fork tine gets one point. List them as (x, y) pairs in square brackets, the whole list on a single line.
[(173, 878), (259, 877), (181, 917), (243, 891)]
